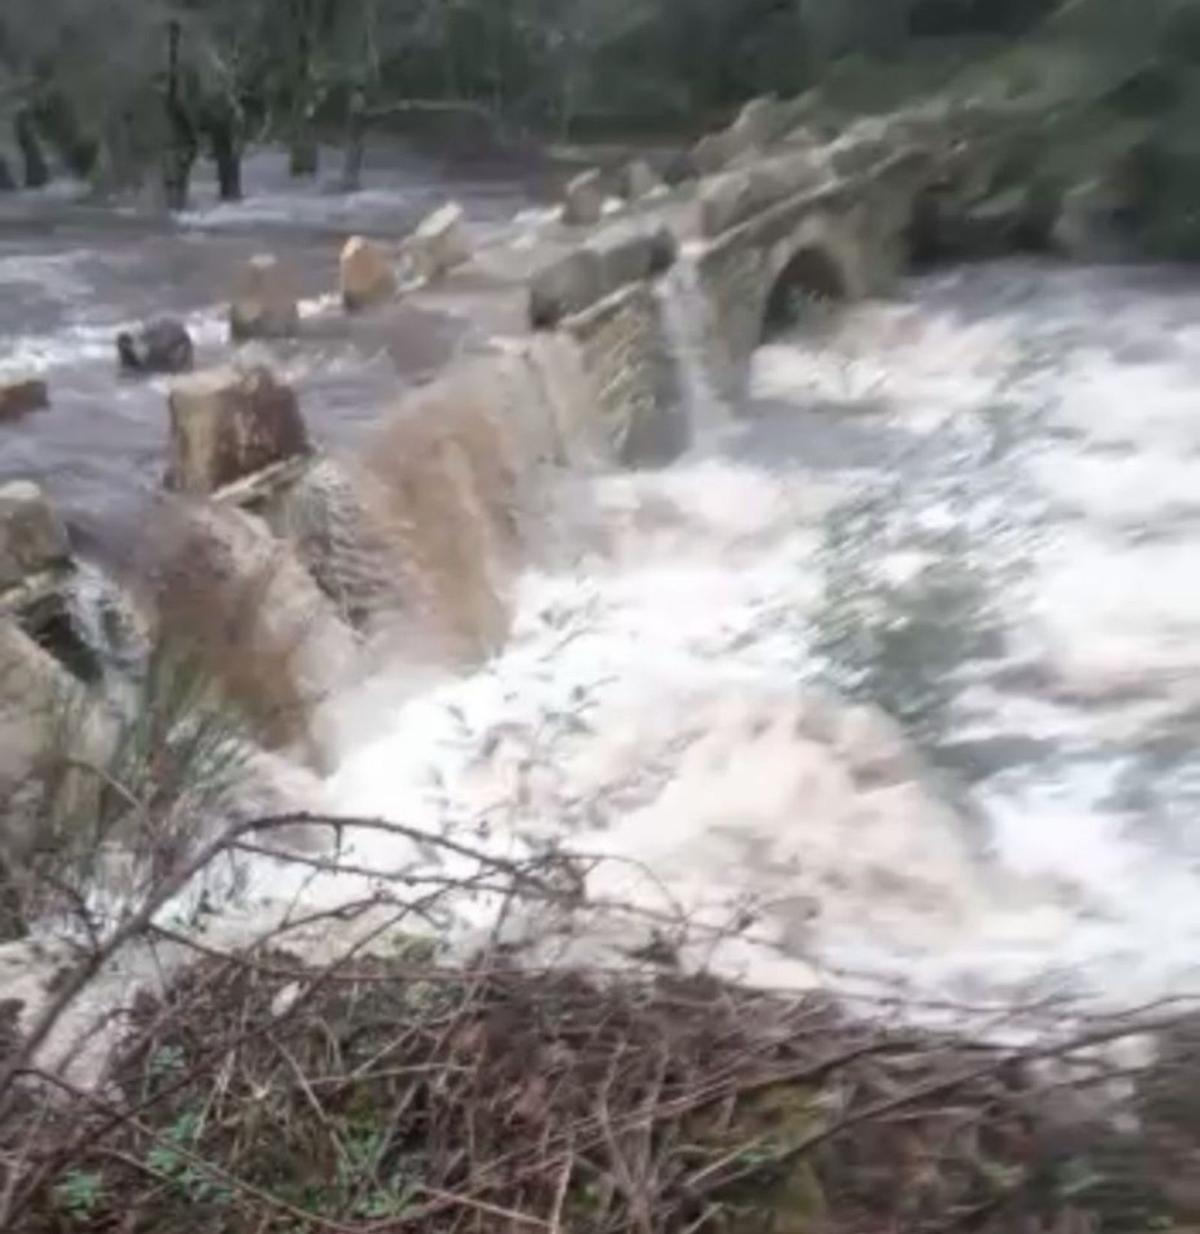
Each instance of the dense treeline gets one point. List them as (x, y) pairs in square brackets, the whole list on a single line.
[(122, 88)]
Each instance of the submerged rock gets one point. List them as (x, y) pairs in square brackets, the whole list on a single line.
[(160, 346), (228, 424), (265, 302), (365, 274), (22, 395)]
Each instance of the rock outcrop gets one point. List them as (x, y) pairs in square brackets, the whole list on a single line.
[(160, 346), (639, 180), (265, 302), (20, 396), (365, 274), (227, 424)]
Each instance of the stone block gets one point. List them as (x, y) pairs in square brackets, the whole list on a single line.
[(439, 244), (639, 179), (227, 424), (756, 126), (365, 275), (19, 396), (725, 201), (629, 252), (32, 537), (712, 154), (583, 200), (265, 302), (563, 287)]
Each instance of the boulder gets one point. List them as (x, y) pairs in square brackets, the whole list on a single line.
[(365, 274), (19, 396), (583, 200), (160, 346), (265, 302), (565, 286), (639, 180), (32, 537), (227, 424), (439, 244)]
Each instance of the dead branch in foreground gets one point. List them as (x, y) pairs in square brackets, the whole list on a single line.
[(378, 1093)]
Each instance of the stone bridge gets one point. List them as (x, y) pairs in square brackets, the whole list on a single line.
[(777, 210), (592, 334)]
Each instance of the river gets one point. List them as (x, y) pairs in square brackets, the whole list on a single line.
[(974, 505)]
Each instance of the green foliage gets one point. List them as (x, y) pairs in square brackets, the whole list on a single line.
[(80, 1193)]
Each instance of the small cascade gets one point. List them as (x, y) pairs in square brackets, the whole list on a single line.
[(105, 620), (681, 300)]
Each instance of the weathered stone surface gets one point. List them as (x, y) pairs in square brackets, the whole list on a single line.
[(631, 363), (22, 395), (756, 125), (735, 196), (32, 537), (712, 153), (725, 200), (439, 244), (629, 252), (160, 346), (565, 286), (265, 302), (622, 253), (227, 424), (583, 200), (639, 180), (365, 275)]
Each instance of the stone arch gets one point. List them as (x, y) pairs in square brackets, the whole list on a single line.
[(811, 272)]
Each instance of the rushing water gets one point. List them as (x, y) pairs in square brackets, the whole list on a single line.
[(72, 276), (974, 506)]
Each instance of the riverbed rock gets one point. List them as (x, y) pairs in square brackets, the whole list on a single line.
[(227, 424), (439, 244), (583, 200), (639, 180), (160, 346), (19, 396), (365, 273), (32, 536), (265, 302)]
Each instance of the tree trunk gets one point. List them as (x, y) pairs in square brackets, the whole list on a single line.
[(7, 183), (181, 151), (356, 142), (303, 154), (227, 155), (37, 173)]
